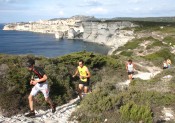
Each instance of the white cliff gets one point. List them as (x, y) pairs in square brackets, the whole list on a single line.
[(47, 26), (110, 33)]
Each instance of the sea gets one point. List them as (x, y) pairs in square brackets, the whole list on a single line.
[(38, 44)]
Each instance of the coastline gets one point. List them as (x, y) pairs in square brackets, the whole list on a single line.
[(111, 34), (46, 44)]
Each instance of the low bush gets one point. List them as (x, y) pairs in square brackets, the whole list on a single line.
[(126, 53), (132, 105), (154, 44), (158, 57), (169, 40), (136, 113), (15, 77)]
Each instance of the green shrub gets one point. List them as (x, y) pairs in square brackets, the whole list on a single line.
[(126, 53), (15, 77), (155, 26), (100, 101), (136, 113), (133, 44), (155, 43), (158, 57), (169, 40)]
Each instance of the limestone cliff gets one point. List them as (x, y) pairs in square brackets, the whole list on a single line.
[(110, 33)]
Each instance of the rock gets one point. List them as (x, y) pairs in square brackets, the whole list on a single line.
[(168, 114), (108, 33), (50, 121), (144, 75), (123, 85), (60, 116), (167, 77), (71, 33), (59, 35)]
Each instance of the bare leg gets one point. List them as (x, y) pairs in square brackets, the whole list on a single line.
[(130, 77), (53, 107), (48, 100), (85, 89), (80, 89), (30, 98)]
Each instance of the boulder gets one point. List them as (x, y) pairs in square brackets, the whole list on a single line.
[(71, 33), (59, 35)]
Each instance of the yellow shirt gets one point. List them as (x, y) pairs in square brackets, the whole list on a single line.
[(83, 72)]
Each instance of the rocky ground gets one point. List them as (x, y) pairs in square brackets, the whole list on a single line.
[(61, 115)]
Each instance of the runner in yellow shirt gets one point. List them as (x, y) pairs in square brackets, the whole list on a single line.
[(84, 75)]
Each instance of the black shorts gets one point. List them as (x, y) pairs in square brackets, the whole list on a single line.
[(165, 67), (85, 83), (129, 73)]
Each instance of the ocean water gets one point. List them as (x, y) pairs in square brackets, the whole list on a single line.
[(22, 43)]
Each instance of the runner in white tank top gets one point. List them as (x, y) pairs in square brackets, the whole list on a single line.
[(130, 69)]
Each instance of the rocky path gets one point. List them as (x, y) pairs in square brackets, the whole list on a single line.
[(61, 115), (152, 71)]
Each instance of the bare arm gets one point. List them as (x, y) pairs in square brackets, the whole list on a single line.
[(34, 82), (88, 74), (126, 66), (76, 72)]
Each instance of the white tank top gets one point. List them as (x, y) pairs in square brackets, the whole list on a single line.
[(164, 64), (130, 67)]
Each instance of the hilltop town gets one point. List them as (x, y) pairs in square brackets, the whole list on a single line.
[(48, 26)]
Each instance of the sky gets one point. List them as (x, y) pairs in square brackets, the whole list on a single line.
[(34, 10)]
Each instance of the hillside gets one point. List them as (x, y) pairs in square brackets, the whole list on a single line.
[(149, 98), (147, 19)]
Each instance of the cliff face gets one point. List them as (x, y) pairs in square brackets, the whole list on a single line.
[(113, 34)]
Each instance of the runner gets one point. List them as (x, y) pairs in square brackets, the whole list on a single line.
[(39, 80), (84, 76), (165, 65), (168, 63), (130, 69)]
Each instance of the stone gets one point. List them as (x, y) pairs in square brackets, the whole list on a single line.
[(71, 33), (61, 116), (59, 35)]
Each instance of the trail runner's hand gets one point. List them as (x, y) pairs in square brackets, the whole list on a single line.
[(32, 82)]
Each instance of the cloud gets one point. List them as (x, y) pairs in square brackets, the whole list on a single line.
[(89, 3), (9, 1), (136, 1), (61, 13), (97, 11), (60, 5)]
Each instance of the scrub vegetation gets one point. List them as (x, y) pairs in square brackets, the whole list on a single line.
[(142, 101)]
